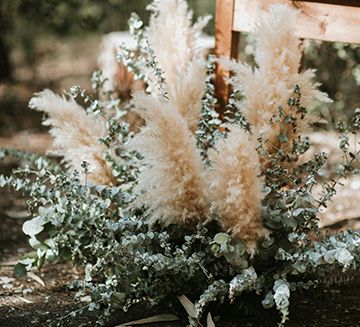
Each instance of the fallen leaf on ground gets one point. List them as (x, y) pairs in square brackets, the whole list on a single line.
[(36, 279), (188, 306), (17, 214), (210, 321), (25, 300), (150, 320)]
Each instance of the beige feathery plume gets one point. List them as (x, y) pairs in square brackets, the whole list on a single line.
[(176, 48), (174, 45), (236, 188), (271, 84), (75, 134), (186, 95), (171, 183)]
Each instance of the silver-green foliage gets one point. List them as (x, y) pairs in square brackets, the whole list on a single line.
[(127, 261)]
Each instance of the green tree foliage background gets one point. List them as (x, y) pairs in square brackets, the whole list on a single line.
[(22, 21)]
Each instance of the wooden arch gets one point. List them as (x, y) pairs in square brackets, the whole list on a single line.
[(327, 20)]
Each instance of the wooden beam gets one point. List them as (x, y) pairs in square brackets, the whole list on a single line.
[(351, 3), (330, 20), (227, 42)]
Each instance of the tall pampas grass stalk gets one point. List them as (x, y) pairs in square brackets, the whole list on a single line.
[(171, 184), (236, 188), (75, 134), (176, 48), (270, 85)]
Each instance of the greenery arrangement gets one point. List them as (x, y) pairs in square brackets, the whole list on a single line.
[(190, 205)]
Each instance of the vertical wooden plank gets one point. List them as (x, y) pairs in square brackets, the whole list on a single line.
[(226, 46)]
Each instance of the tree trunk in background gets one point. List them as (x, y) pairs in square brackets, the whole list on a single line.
[(5, 26), (5, 66)]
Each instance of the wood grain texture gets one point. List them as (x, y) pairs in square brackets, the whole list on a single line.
[(335, 21), (226, 46), (353, 3)]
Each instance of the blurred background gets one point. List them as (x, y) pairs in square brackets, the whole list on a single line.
[(56, 44)]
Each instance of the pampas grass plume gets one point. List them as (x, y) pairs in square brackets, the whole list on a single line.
[(236, 188), (75, 134), (270, 85), (179, 55), (171, 184)]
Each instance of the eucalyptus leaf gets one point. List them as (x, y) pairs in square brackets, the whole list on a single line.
[(34, 226), (20, 270), (221, 238)]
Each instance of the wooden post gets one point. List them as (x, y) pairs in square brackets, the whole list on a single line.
[(227, 42)]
